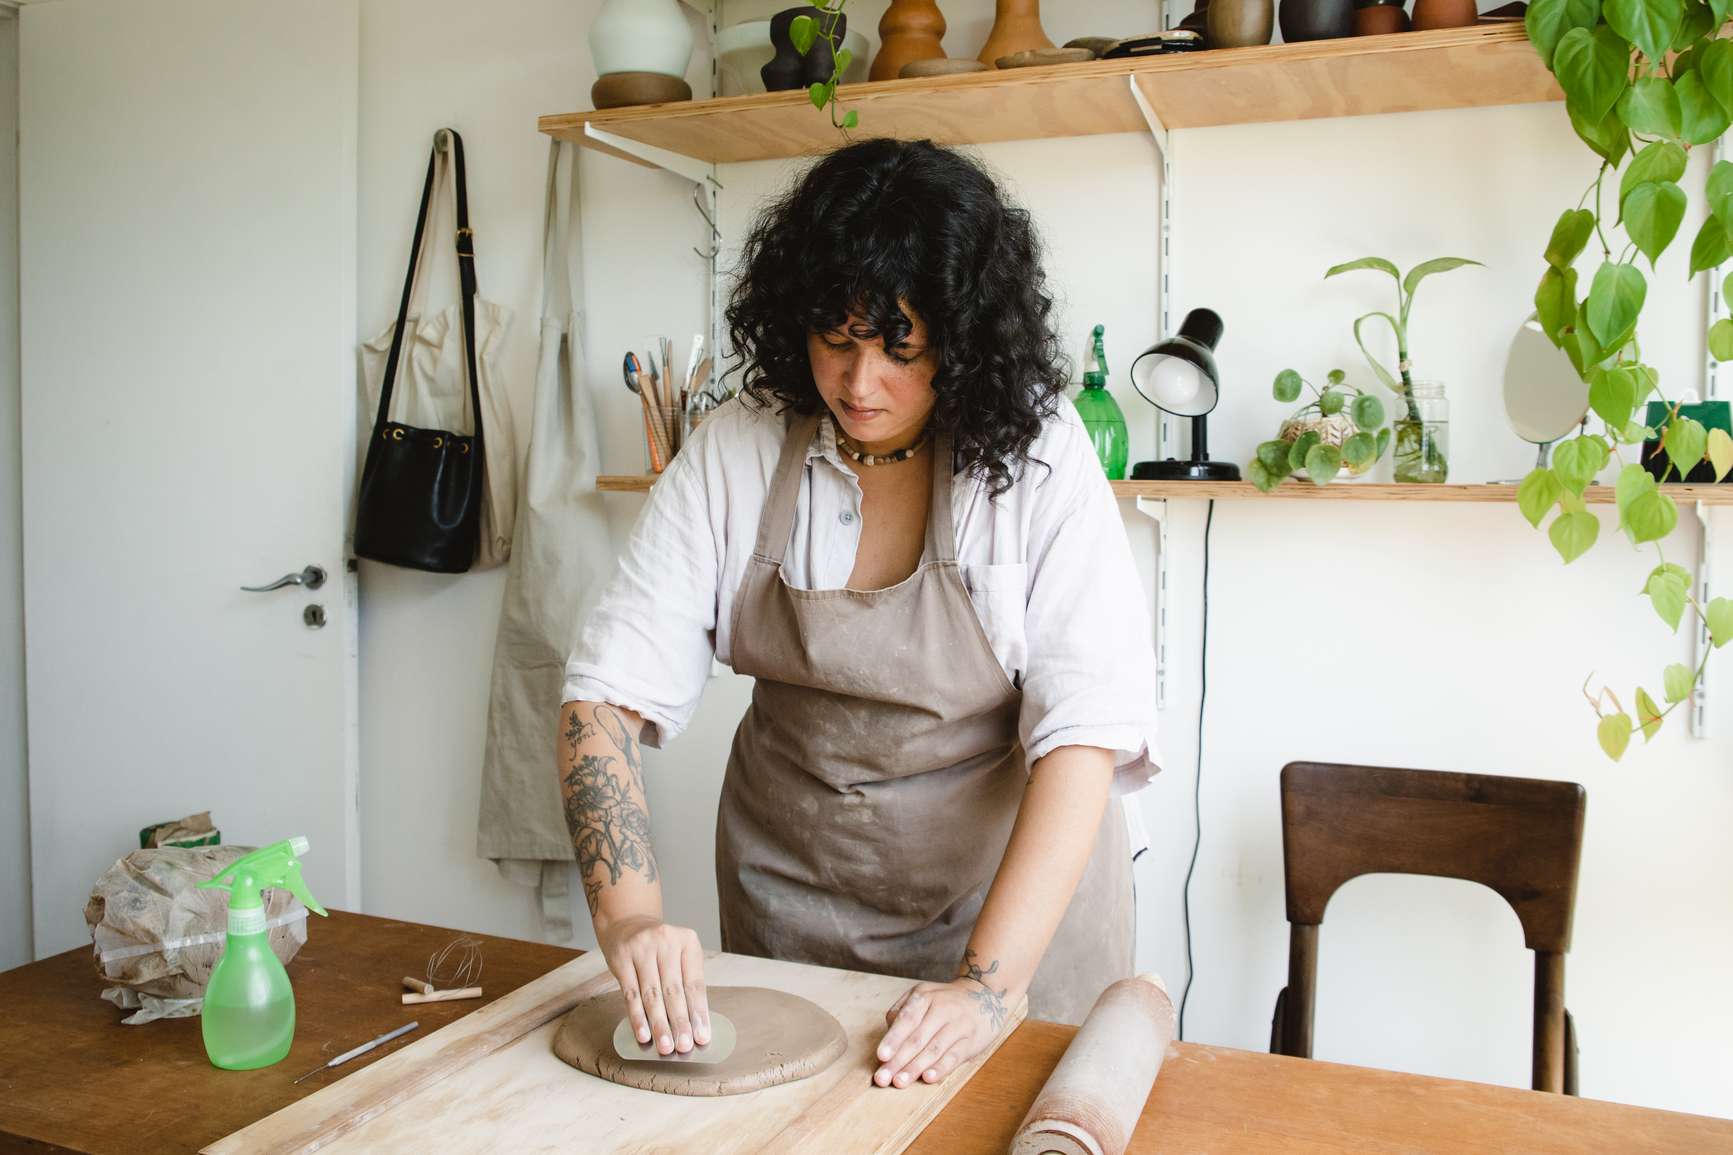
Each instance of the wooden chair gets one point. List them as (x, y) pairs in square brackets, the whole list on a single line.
[(1519, 836)]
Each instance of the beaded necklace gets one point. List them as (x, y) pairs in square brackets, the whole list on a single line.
[(860, 457)]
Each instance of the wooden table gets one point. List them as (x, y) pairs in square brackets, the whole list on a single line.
[(73, 1079)]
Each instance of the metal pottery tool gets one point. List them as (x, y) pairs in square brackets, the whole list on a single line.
[(633, 374), (361, 1050), (720, 1046)]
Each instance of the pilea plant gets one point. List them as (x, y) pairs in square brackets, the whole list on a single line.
[(804, 31), (1342, 427), (1647, 80)]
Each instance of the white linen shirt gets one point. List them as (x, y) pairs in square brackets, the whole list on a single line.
[(1047, 566)]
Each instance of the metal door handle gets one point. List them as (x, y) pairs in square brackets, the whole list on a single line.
[(312, 578)]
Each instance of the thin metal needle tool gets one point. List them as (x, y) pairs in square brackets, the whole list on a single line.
[(361, 1050)]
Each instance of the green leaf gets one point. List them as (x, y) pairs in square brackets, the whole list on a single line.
[(1287, 386), (1701, 116), (1613, 395), (1539, 492), (1653, 212), (1720, 619), (1437, 265), (819, 94), (802, 31), (1576, 462), (1651, 516), (1648, 714), (1632, 483), (1647, 377), (1721, 340), (1718, 193), (1383, 440), (1614, 734), (1648, 24), (1573, 533), (1667, 594), (1580, 345), (1336, 377), (1709, 250), (1593, 68), (1378, 263), (851, 119), (1608, 135), (1635, 433), (1569, 235), (1555, 301), (1720, 452), (1659, 160), (1615, 299), (1651, 107), (1686, 442), (1368, 412), (1384, 374), (1677, 682), (1727, 288), (1715, 70), (844, 58), (1323, 463), (1273, 455), (1699, 22), (1297, 451), (1331, 401), (1260, 476), (1360, 450), (1720, 10), (1548, 20)]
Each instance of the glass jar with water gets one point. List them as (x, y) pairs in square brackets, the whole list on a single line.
[(1422, 428)]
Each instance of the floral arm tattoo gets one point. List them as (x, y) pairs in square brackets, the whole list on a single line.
[(990, 1002), (604, 805)]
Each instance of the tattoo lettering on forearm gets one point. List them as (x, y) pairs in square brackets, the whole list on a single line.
[(990, 1001), (610, 828)]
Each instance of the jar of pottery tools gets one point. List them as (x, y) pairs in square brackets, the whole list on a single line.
[(1422, 425)]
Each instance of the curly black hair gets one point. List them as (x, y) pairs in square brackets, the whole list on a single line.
[(885, 220)]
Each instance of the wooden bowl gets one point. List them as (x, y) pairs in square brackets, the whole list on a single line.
[(1036, 57), (620, 89), (941, 66)]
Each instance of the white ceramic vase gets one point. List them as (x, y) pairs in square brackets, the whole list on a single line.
[(641, 36)]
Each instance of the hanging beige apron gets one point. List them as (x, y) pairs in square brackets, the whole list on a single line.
[(874, 780)]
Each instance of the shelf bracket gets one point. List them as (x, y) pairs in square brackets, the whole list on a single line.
[(677, 163), (1163, 281), (1703, 642), (1155, 509)]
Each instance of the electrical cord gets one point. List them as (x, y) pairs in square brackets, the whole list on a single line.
[(1197, 777)]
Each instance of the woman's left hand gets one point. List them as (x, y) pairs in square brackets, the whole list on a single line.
[(934, 1028)]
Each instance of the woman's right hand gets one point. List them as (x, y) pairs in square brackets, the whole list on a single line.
[(660, 969)]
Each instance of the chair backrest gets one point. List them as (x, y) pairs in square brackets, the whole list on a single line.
[(1522, 837)]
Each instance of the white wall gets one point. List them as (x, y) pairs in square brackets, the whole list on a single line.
[(1422, 635), (15, 931)]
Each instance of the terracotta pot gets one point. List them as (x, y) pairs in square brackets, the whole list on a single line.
[(1239, 23), (1317, 19), (1380, 20), (909, 30), (1443, 14), (1016, 28)]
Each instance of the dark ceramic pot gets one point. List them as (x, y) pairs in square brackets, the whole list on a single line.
[(789, 69), (1380, 20), (1316, 19)]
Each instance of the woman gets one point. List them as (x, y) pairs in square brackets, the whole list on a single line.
[(902, 533)]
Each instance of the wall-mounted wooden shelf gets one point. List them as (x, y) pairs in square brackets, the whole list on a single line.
[(1339, 491), (1480, 66)]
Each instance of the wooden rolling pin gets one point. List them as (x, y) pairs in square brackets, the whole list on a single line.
[(1092, 1101)]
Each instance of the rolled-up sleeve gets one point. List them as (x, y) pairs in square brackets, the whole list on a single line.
[(648, 644), (1090, 679)]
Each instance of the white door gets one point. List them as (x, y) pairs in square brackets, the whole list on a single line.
[(187, 269)]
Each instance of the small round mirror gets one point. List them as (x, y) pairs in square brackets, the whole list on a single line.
[(1544, 398)]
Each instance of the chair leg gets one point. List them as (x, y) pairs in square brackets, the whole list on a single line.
[(1302, 990), (1549, 1021), (1570, 1054), (1276, 1022)]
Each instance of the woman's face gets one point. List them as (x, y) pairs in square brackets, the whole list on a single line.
[(880, 397)]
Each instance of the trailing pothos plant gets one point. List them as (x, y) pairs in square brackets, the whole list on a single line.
[(805, 31), (1645, 80)]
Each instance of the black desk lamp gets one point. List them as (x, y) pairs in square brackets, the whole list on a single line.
[(1179, 377)]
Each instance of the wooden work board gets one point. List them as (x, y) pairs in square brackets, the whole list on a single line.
[(490, 1081)]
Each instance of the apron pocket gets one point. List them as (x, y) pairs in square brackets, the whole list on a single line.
[(1000, 595)]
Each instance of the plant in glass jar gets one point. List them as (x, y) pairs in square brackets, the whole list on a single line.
[(1341, 430), (1422, 449)]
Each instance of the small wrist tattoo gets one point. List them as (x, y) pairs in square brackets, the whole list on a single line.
[(990, 1002)]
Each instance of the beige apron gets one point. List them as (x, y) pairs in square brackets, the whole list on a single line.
[(875, 778)]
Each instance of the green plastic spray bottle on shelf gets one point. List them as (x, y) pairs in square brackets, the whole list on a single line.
[(1101, 413), (249, 1014)]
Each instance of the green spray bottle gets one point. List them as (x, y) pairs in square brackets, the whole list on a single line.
[(1101, 414), (249, 1013)]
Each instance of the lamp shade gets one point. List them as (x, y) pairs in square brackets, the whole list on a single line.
[(1179, 374)]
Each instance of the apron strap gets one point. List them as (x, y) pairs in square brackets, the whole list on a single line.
[(941, 536), (777, 521)]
